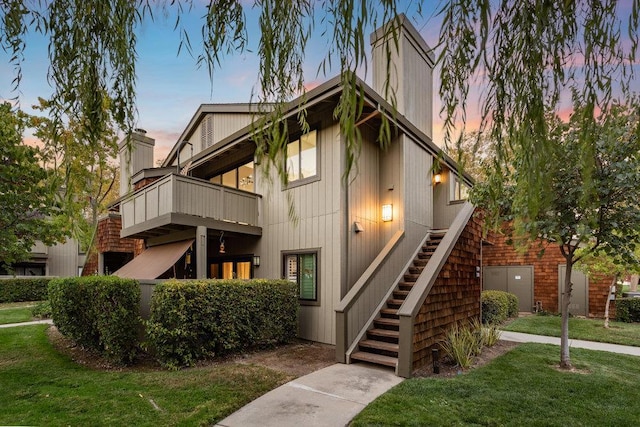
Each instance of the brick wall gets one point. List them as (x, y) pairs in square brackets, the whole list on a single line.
[(545, 271), (108, 240), (455, 296)]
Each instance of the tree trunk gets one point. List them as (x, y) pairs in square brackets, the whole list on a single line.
[(634, 283), (606, 306), (565, 358)]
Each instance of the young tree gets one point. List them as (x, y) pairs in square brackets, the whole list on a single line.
[(29, 210), (581, 210), (86, 178)]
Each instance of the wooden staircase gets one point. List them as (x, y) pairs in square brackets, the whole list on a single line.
[(381, 343)]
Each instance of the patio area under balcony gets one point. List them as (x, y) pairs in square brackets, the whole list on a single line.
[(176, 203)]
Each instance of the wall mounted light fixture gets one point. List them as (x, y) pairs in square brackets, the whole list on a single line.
[(437, 178), (387, 212), (256, 260)]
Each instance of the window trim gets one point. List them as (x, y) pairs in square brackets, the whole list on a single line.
[(314, 251), (452, 189), (310, 179)]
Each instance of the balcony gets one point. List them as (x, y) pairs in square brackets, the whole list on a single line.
[(176, 202)]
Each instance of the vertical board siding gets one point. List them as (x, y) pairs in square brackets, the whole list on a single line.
[(317, 206), (63, 259), (444, 212), (418, 184), (184, 195)]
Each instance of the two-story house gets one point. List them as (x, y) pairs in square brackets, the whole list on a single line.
[(385, 263)]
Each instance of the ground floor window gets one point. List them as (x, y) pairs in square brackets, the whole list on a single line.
[(302, 268), (238, 268)]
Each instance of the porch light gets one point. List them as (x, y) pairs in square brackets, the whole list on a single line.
[(437, 178), (387, 213), (256, 261)]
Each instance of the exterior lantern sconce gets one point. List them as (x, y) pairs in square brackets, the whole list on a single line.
[(221, 242), (256, 261), (437, 178), (387, 213)]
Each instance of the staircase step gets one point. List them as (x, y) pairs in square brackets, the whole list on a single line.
[(375, 358), (416, 270), (420, 262), (384, 323), (383, 335), (389, 313), (400, 294), (394, 303), (379, 347), (406, 286), (424, 255), (411, 277)]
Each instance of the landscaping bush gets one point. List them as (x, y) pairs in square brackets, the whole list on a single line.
[(628, 310), (42, 310), (512, 310), (198, 319), (98, 312), (495, 306), (18, 289), (462, 343)]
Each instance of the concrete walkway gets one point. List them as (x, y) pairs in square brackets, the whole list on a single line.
[(589, 345), (35, 322), (329, 397)]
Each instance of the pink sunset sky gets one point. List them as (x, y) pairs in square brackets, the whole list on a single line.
[(170, 87)]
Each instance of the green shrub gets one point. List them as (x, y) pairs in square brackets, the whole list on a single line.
[(198, 319), (512, 310), (42, 310), (628, 310), (495, 307), (98, 312), (23, 289)]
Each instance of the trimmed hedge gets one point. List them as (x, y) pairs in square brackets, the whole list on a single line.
[(98, 312), (628, 310), (512, 310), (18, 289), (198, 319), (497, 306)]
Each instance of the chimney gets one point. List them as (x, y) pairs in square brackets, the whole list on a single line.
[(409, 65), (136, 154)]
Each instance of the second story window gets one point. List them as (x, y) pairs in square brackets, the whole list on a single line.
[(459, 191), (241, 178), (302, 160)]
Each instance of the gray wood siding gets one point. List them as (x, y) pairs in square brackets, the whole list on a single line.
[(418, 184), (318, 206), (63, 259), (444, 211), (180, 194), (364, 208), (411, 62)]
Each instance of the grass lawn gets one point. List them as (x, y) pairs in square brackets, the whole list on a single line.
[(523, 387), (15, 312), (39, 386), (579, 329)]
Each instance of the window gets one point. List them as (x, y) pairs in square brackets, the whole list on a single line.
[(240, 178), (459, 190), (302, 162), (302, 268)]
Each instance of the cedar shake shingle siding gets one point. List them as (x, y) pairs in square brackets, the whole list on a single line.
[(455, 296)]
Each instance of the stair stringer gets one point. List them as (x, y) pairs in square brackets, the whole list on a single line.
[(409, 309), (394, 284)]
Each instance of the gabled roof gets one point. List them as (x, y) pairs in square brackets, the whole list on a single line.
[(326, 93)]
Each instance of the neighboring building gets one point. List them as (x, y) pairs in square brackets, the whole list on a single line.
[(537, 278), (384, 264), (61, 260)]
